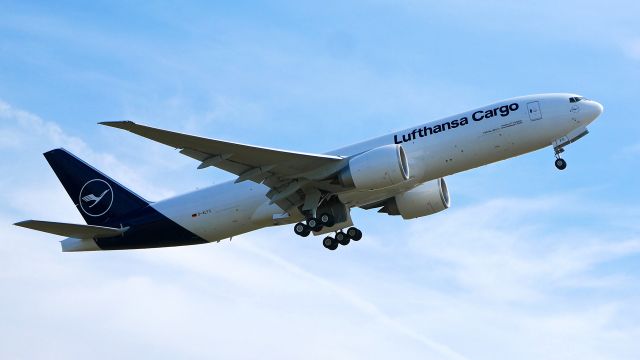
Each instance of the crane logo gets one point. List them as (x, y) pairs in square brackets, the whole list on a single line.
[(96, 197)]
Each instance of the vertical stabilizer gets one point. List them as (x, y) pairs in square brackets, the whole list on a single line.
[(100, 199)]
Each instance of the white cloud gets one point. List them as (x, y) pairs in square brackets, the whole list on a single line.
[(200, 302), (24, 136), (504, 257), (472, 290), (528, 283), (27, 129)]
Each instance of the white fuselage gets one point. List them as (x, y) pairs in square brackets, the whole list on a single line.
[(436, 149)]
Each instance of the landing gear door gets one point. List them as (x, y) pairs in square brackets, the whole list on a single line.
[(534, 110)]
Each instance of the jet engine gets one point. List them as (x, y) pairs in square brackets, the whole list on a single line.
[(426, 199), (376, 169)]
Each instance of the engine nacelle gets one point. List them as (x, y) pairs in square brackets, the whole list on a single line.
[(376, 169), (426, 199)]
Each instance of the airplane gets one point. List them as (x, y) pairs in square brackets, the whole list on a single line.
[(399, 174)]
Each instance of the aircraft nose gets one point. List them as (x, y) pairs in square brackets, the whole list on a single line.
[(599, 108), (595, 109)]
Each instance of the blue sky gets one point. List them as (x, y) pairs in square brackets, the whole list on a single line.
[(528, 263)]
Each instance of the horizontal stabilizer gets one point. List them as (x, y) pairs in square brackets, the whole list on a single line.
[(72, 230)]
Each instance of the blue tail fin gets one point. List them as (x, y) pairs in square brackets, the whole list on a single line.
[(100, 199)]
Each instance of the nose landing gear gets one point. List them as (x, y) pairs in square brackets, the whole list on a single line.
[(560, 163)]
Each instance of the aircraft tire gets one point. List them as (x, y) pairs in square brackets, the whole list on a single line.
[(330, 243), (354, 233), (561, 164), (342, 238), (327, 220), (314, 224), (301, 229)]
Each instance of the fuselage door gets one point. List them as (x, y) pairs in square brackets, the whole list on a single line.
[(534, 110)]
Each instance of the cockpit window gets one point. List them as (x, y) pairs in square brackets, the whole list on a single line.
[(576, 99)]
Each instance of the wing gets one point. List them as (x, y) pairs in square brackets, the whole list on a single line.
[(285, 172)]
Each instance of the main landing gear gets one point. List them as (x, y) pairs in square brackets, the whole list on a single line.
[(327, 220), (342, 238)]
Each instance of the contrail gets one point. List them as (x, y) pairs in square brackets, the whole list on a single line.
[(357, 301)]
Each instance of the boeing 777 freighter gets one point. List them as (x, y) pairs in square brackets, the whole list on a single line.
[(399, 174)]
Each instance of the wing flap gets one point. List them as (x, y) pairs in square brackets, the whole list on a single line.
[(78, 231)]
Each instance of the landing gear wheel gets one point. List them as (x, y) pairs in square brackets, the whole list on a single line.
[(302, 229), (561, 164), (354, 233), (327, 220), (314, 224), (342, 238), (330, 243)]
